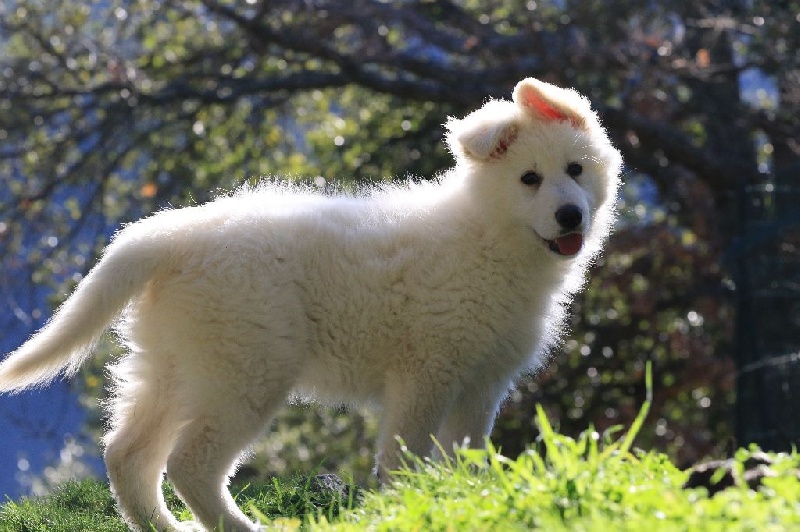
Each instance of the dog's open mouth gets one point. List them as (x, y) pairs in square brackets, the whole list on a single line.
[(566, 245)]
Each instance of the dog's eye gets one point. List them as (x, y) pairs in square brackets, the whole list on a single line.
[(531, 178), (574, 169)]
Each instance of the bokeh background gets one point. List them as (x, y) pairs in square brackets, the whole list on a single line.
[(112, 109)]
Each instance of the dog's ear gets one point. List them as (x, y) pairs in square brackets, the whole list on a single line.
[(549, 103), (484, 134)]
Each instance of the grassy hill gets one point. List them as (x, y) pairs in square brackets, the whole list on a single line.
[(594, 482)]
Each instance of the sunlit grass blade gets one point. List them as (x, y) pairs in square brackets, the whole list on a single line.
[(548, 436), (636, 426)]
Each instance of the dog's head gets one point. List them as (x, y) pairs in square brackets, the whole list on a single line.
[(545, 161)]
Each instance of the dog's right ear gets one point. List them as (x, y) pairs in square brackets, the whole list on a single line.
[(549, 103), (484, 134)]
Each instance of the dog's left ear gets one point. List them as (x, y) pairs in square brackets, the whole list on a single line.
[(549, 103), (484, 134)]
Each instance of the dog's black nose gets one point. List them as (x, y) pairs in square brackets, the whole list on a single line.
[(569, 216)]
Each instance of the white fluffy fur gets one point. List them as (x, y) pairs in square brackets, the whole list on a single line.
[(425, 300)]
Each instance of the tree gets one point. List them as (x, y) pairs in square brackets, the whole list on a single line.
[(112, 109)]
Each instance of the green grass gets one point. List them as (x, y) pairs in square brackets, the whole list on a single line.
[(582, 484), (594, 482), (86, 505)]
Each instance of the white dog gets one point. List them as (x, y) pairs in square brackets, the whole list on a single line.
[(426, 300)]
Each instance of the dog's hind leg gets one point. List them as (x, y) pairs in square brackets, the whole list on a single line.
[(207, 451), (136, 449)]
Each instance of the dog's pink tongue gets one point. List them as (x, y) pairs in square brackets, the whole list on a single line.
[(569, 244)]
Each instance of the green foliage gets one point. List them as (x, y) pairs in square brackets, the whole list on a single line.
[(316, 438)]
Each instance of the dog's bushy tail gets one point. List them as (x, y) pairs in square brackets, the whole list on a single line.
[(68, 339)]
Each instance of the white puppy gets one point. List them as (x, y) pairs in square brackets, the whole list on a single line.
[(425, 300)]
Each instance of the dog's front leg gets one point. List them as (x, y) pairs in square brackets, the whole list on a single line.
[(470, 420), (413, 411)]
